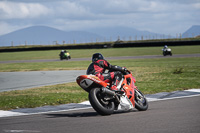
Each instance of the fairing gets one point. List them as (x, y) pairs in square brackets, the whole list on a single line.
[(87, 82)]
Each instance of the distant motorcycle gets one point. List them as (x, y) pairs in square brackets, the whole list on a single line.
[(105, 101), (64, 55), (167, 51)]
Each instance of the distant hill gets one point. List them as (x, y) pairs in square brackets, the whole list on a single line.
[(192, 32), (45, 36), (126, 33)]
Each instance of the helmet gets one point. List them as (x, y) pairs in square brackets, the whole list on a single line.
[(97, 56)]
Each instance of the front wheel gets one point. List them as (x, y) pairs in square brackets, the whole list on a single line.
[(164, 54), (100, 103), (141, 102)]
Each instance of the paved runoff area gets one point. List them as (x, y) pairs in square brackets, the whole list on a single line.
[(24, 80), (86, 104)]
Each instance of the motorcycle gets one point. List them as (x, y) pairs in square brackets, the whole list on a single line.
[(105, 101), (64, 56), (167, 51)]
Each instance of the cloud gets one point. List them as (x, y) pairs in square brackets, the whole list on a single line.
[(10, 10), (34, 10), (69, 10), (160, 16), (196, 5), (6, 28)]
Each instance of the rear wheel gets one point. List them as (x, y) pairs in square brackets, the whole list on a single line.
[(99, 102), (141, 102)]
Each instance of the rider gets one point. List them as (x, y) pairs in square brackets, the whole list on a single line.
[(98, 67), (62, 53), (165, 47)]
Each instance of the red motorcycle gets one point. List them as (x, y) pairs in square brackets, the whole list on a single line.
[(105, 101)]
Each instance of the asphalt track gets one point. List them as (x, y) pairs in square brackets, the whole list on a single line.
[(166, 116), (24, 80)]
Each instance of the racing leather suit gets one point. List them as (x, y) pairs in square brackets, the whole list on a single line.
[(98, 68)]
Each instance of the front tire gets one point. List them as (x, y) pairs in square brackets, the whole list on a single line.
[(141, 102), (164, 54), (102, 106)]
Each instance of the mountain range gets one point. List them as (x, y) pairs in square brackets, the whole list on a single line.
[(192, 32), (43, 35)]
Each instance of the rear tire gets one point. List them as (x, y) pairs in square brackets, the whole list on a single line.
[(141, 102), (97, 101)]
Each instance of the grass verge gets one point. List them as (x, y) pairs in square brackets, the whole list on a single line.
[(152, 76), (82, 53), (41, 96)]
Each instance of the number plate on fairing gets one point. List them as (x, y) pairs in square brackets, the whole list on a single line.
[(85, 83)]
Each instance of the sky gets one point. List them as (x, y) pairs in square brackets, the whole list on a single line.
[(158, 16)]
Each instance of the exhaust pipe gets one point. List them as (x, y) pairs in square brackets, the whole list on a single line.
[(107, 91)]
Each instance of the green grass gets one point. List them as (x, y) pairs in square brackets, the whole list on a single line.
[(41, 96), (152, 76), (44, 66), (54, 54), (167, 75)]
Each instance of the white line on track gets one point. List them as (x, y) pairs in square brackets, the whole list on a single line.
[(154, 99), (11, 113)]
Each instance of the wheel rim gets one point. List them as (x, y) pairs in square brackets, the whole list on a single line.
[(101, 98), (140, 98)]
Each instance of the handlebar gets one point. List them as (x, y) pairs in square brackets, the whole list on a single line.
[(126, 72)]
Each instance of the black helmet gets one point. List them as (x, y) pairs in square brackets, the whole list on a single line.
[(97, 56)]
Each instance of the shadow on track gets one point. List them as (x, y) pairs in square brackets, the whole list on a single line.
[(79, 114), (84, 114)]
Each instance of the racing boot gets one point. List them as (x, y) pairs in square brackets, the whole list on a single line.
[(114, 88), (114, 84)]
